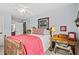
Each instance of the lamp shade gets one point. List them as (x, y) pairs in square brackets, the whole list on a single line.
[(53, 28)]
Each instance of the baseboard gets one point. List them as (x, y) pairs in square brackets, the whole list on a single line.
[(78, 41), (1, 45)]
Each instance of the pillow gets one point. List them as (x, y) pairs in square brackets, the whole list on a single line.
[(38, 31)]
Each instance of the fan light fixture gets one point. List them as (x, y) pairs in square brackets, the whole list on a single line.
[(23, 9)]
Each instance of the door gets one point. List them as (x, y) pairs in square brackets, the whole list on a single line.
[(19, 28)]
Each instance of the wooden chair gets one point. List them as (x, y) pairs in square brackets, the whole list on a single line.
[(65, 47), (72, 36)]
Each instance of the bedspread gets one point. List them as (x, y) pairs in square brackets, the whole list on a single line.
[(32, 44)]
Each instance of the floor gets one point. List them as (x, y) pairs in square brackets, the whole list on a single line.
[(1, 50), (59, 51)]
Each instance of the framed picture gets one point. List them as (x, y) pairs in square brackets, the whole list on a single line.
[(43, 23), (63, 28)]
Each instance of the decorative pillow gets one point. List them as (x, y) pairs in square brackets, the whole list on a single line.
[(38, 31)]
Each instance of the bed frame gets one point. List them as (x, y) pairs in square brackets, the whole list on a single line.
[(13, 48)]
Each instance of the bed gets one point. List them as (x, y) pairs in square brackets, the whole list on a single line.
[(43, 34), (23, 45), (45, 38)]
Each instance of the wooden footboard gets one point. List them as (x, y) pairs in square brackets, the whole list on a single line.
[(13, 48)]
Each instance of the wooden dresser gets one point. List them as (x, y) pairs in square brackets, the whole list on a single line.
[(63, 38)]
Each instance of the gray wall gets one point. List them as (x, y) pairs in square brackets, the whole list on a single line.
[(6, 28), (7, 25)]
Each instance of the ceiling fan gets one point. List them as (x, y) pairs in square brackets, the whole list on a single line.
[(22, 9)]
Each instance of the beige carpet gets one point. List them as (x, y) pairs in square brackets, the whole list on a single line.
[(58, 52), (61, 52), (1, 50)]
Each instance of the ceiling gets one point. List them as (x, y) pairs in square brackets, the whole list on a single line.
[(32, 9)]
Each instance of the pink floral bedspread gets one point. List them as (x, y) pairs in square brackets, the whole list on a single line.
[(32, 44)]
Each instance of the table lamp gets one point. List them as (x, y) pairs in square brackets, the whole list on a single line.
[(52, 29)]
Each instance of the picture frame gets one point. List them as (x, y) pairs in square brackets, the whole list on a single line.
[(63, 28), (43, 23)]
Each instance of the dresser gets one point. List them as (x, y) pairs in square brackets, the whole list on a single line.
[(63, 38)]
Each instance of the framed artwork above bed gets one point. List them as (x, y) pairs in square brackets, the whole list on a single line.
[(43, 23)]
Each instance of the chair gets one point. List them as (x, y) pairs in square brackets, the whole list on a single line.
[(64, 47), (72, 36)]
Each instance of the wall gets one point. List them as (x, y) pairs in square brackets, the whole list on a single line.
[(6, 24), (64, 15), (5, 27), (1, 23), (1, 30), (77, 28)]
